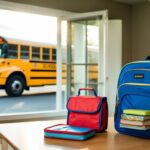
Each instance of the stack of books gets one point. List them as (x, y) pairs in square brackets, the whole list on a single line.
[(135, 119)]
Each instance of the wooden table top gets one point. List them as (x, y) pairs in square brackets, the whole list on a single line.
[(30, 136)]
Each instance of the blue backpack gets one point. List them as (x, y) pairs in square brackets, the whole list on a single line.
[(133, 93)]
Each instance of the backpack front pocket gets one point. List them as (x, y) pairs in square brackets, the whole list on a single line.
[(139, 99)]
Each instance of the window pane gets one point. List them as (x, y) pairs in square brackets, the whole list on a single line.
[(78, 47), (35, 53), (78, 78), (46, 54), (92, 55), (93, 42), (13, 51), (92, 76), (24, 52), (36, 35), (54, 55)]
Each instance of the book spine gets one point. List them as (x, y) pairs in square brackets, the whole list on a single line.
[(132, 117), (134, 127)]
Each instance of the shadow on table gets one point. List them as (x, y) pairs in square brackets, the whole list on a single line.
[(94, 143)]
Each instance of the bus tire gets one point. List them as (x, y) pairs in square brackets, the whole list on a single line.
[(15, 85)]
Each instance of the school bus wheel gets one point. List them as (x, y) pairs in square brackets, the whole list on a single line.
[(15, 85)]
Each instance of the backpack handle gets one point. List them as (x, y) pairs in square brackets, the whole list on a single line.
[(87, 89), (147, 58)]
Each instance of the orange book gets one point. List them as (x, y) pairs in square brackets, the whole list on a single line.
[(137, 123)]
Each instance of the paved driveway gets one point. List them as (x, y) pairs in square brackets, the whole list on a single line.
[(37, 99), (28, 103)]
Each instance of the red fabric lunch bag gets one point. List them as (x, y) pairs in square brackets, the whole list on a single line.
[(88, 111)]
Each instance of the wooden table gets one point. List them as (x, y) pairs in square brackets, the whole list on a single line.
[(5, 144), (29, 136)]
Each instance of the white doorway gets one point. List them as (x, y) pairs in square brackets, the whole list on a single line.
[(86, 47)]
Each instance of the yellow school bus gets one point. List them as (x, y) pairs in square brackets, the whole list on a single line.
[(29, 64), (26, 64)]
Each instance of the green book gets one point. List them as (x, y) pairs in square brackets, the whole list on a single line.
[(135, 117), (137, 112)]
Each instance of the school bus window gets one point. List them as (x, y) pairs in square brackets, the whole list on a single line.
[(24, 52), (46, 54), (54, 54), (1, 51), (13, 51), (35, 53)]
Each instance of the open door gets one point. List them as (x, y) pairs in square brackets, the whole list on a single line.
[(86, 50)]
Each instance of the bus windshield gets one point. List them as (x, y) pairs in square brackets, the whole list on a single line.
[(3, 51)]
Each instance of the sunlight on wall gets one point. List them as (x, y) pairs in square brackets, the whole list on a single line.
[(29, 27)]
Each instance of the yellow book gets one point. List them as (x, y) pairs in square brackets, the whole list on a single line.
[(137, 112)]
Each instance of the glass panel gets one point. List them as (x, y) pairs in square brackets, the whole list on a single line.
[(31, 30), (46, 54), (78, 80), (84, 55), (78, 47), (0, 51), (92, 77), (92, 54), (24, 52), (64, 87), (12, 51), (35, 53), (92, 41), (54, 55)]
